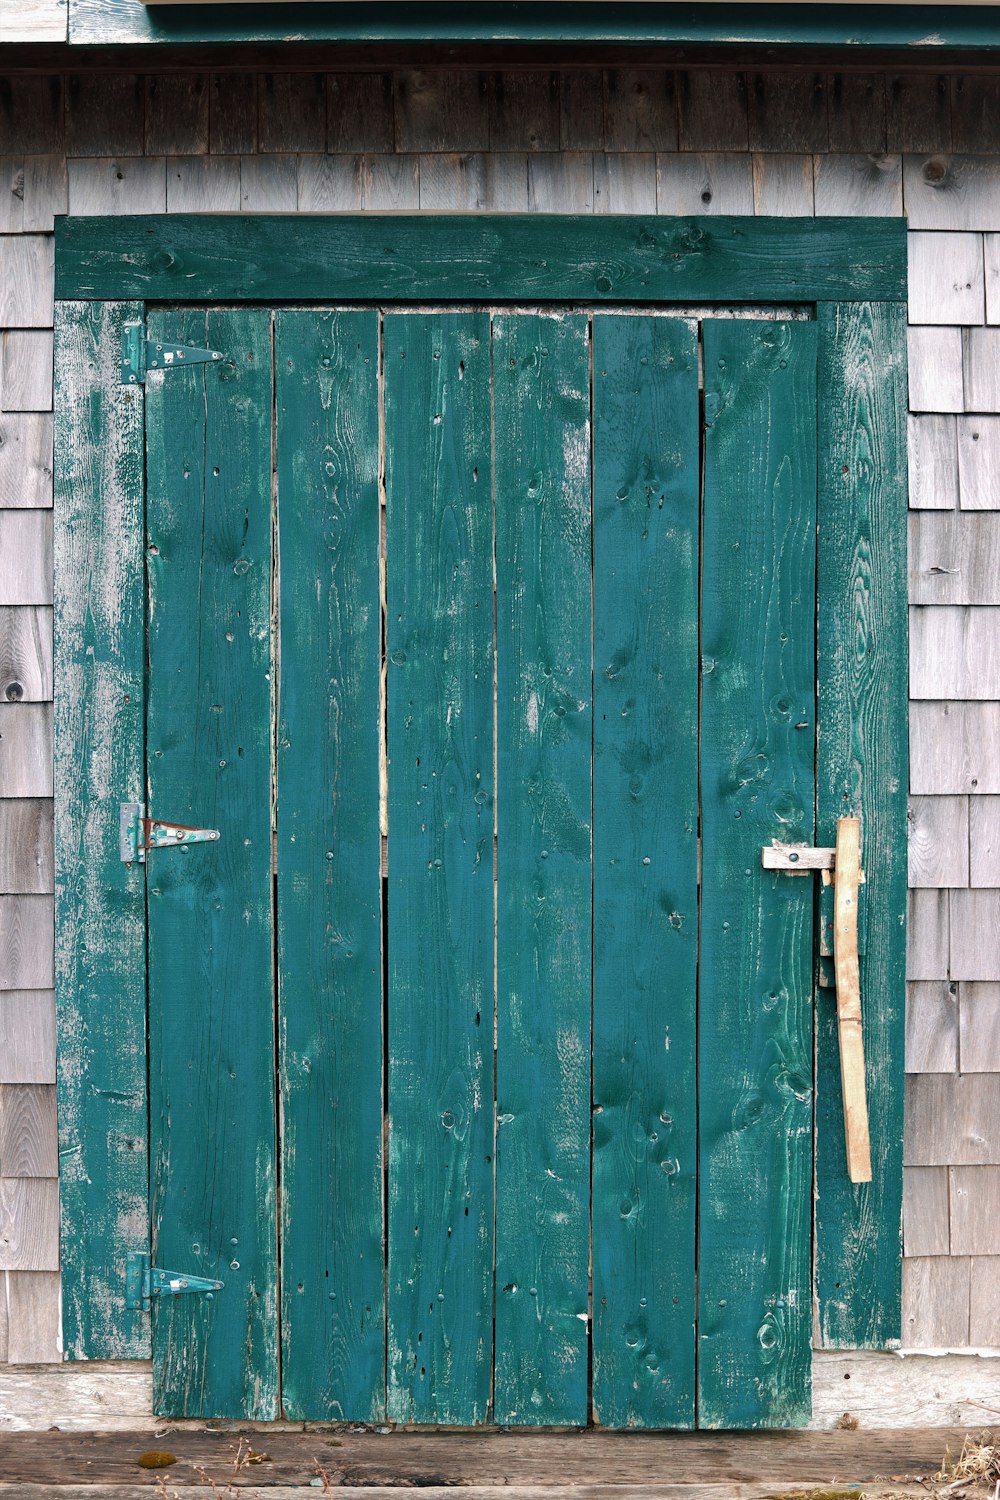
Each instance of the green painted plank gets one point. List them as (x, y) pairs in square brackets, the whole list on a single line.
[(501, 258), (646, 505), (329, 886), (541, 374), (211, 1007), (100, 951), (863, 771), (757, 784), (855, 27), (439, 627)]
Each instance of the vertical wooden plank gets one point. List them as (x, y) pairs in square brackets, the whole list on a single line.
[(757, 770), (541, 372), (328, 883), (862, 771), (211, 1009), (100, 957), (439, 631), (646, 503)]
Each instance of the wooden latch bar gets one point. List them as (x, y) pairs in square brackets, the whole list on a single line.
[(845, 862)]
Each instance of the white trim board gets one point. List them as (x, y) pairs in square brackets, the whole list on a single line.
[(879, 1390)]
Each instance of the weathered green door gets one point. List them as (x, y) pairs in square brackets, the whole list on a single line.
[(486, 640)]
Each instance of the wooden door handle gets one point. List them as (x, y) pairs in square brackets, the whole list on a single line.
[(846, 879)]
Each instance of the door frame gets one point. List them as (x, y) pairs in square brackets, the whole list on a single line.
[(852, 272)]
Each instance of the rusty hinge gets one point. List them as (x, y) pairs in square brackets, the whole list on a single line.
[(137, 833)]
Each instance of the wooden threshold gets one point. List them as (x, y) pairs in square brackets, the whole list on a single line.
[(483, 1466)]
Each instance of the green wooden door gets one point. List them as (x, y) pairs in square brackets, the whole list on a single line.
[(486, 640)]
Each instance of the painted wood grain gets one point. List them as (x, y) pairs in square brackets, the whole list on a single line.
[(441, 910), (544, 737), (936, 1294), (954, 558), (100, 902), (25, 461), (26, 846), (329, 918), (104, 114), (928, 935), (951, 1120), (640, 110), (712, 111), (954, 747), (26, 280), (191, 258), (210, 919), (33, 1311), (926, 1229), (25, 557), (113, 185), (28, 1130), (979, 462), (34, 21), (755, 1098), (934, 360), (945, 278), (27, 1036), (25, 654), (932, 452), (25, 750), (704, 183), (176, 114), (984, 841), (954, 653), (938, 841), (232, 113), (646, 535), (782, 184), (863, 772), (974, 1195), (864, 186), (932, 1027), (979, 1027), (524, 110), (29, 1224), (359, 113)]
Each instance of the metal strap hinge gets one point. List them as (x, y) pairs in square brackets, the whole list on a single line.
[(140, 354), (144, 1281), (137, 833)]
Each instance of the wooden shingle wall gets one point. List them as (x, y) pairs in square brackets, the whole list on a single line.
[(618, 141)]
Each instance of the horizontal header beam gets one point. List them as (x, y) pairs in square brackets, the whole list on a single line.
[(922, 30), (479, 257)]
